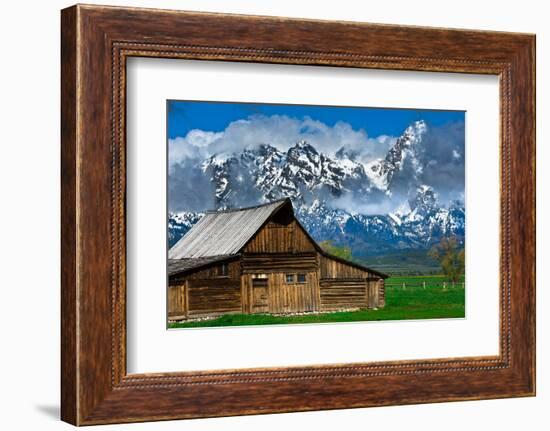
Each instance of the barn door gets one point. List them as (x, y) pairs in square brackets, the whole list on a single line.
[(260, 299), (177, 301), (372, 289)]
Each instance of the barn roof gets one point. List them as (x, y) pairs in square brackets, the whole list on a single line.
[(175, 266), (224, 232)]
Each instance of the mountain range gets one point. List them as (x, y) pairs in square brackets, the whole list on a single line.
[(372, 206)]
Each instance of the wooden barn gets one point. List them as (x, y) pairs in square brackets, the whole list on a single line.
[(262, 260)]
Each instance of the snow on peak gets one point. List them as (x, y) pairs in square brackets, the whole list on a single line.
[(416, 129), (316, 181)]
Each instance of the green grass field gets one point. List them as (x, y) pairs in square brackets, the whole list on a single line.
[(414, 301)]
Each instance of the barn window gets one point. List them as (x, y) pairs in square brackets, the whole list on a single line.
[(290, 278), (223, 270), (301, 278)]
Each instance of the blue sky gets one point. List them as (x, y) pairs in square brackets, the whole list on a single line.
[(184, 116)]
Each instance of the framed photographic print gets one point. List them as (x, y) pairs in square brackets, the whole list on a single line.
[(326, 214), (302, 199)]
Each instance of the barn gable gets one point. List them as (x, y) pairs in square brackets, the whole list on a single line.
[(278, 236)]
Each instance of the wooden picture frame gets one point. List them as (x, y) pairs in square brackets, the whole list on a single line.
[(95, 43)]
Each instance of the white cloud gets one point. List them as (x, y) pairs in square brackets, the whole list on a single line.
[(371, 204), (280, 131), (194, 145)]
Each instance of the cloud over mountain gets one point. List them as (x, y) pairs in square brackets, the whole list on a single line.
[(281, 132)]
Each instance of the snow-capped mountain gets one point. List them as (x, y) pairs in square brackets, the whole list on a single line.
[(406, 150), (338, 197), (267, 174), (180, 223)]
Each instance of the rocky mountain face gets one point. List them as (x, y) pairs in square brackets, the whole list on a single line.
[(180, 223), (373, 207)]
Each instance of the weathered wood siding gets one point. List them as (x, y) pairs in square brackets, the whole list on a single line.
[(280, 238), (211, 272), (205, 292), (217, 296), (338, 294), (372, 294), (381, 293), (295, 297), (257, 283), (332, 268), (281, 297), (346, 286), (177, 301), (260, 295), (264, 263)]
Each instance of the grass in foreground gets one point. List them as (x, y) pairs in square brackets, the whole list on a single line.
[(413, 302)]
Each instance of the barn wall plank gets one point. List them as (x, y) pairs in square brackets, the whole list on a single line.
[(280, 238), (281, 262), (331, 268), (338, 294)]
